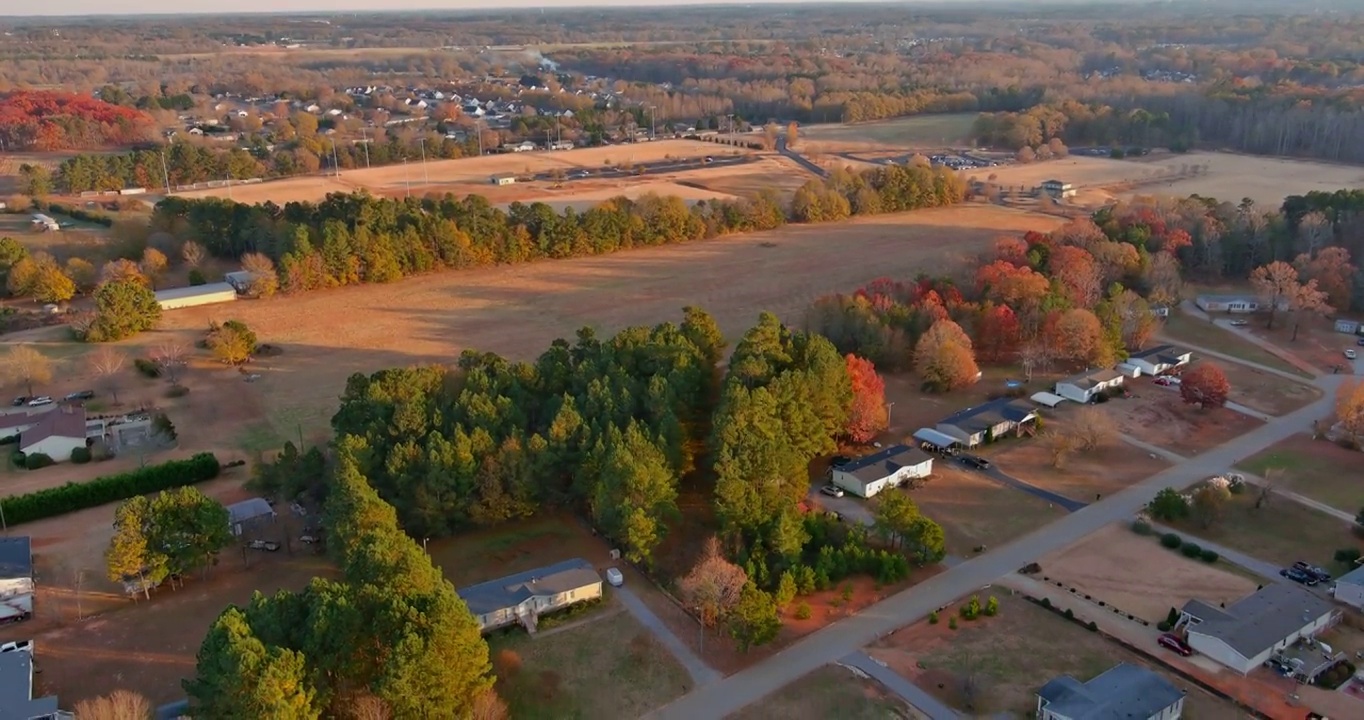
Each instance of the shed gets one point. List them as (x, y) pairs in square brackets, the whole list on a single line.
[(930, 439), (183, 297), (504, 179), (247, 512), (1350, 327), (1048, 399)]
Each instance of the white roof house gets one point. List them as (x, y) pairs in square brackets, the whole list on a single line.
[(1083, 387), (888, 468), (1349, 588), (1159, 358)]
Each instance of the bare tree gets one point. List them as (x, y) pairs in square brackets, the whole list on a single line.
[(106, 362), (1059, 446), (171, 358), (78, 577), (713, 586), (488, 706), (1271, 477), (369, 707), (193, 253), (118, 705), (264, 279), (28, 366), (1034, 356), (1093, 428)]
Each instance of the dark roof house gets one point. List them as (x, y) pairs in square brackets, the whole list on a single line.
[(971, 425), (1161, 354), (68, 421), (512, 590), (16, 690), (16, 558), (1123, 692), (1257, 624)]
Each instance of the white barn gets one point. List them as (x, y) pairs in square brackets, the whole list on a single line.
[(195, 295), (1245, 634), (888, 468)]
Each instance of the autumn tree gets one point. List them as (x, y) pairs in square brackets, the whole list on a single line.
[(264, 279), (193, 254), (25, 365), (232, 343), (41, 278), (1164, 280), (123, 308), (190, 526), (1209, 503), (120, 271), (713, 586), (11, 252), (1077, 335), (83, 274), (239, 677), (1331, 269), (1078, 274), (106, 363), (153, 264), (1093, 428), (869, 415), (1205, 386), (131, 554), (1007, 284), (997, 333), (791, 133), (754, 619), (944, 359), (1059, 446), (1350, 407)]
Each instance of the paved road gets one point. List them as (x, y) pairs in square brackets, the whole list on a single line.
[(847, 636), (701, 673), (799, 159), (908, 691)]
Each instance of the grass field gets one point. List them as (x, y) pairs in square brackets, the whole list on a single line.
[(1320, 470), (1281, 532), (1266, 392), (974, 510), (1100, 471), (829, 692), (1158, 415), (1182, 328), (918, 131)]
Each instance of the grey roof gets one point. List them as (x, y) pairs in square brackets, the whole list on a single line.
[(933, 437), (1091, 379), (16, 686), (985, 416), (884, 463), (512, 590), (1247, 297), (67, 421), (248, 509), (195, 291), (1257, 622), (1354, 577), (16, 557), (1163, 353), (1122, 692)]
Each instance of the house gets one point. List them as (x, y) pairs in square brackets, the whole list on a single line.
[(1247, 633), (887, 468), (987, 422), (1083, 387), (45, 222), (934, 441), (504, 179), (16, 687), (56, 434), (523, 597), (16, 579), (1122, 692), (183, 297), (1159, 358), (12, 424), (1349, 588), (242, 515), (1228, 303), (1058, 189), (1349, 327)]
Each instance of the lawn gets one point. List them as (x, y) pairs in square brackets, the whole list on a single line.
[(1101, 471), (1317, 469), (974, 510), (1281, 532), (1181, 328), (1157, 415), (608, 667), (934, 130), (829, 692), (1266, 392), (476, 557)]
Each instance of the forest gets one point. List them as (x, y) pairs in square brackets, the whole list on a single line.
[(45, 120)]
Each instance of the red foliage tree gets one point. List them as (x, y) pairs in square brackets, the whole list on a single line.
[(44, 120), (869, 415), (1078, 273), (997, 333), (1012, 285), (1205, 386), (1011, 250)]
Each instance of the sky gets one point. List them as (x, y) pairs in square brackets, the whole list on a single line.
[(145, 7)]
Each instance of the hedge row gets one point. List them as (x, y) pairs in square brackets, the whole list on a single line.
[(111, 488)]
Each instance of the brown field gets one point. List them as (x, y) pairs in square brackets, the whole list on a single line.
[(828, 692), (1181, 328), (1136, 575), (517, 311), (1229, 176), (920, 131), (1318, 469), (1101, 471), (1266, 392), (1281, 532), (1158, 416), (974, 510)]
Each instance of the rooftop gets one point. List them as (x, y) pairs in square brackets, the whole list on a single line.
[(67, 421), (1233, 297), (1258, 621), (1171, 353), (1122, 692), (16, 557), (248, 509), (16, 689), (194, 291), (1093, 378), (983, 417), (884, 463), (1354, 577), (933, 437), (512, 590)]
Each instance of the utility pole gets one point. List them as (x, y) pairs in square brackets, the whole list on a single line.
[(364, 140), (165, 174), (336, 166), (889, 406), (478, 129), (407, 178), (653, 126), (425, 173)]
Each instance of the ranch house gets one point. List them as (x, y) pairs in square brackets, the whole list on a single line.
[(503, 179), (56, 433), (1083, 387), (1236, 304), (523, 597), (1248, 632), (888, 468), (989, 421), (1158, 359), (1349, 588), (1122, 691)]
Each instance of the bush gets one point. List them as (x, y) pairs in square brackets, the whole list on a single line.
[(80, 455), (1347, 556), (1163, 626), (177, 391), (971, 610), (71, 497), (1070, 614), (1093, 626), (9, 440), (1208, 556), (16, 458), (992, 606), (1046, 602), (803, 611), (952, 623), (37, 461), (1171, 540), (196, 277), (1191, 550), (933, 618), (1141, 527), (162, 424), (147, 367)]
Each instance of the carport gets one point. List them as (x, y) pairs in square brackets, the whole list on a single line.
[(1051, 400), (938, 441), (246, 513)]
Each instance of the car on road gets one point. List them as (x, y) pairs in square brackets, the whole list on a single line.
[(1168, 380), (82, 395), (615, 577), (1239, 323), (266, 545), (1176, 643), (1298, 576), (1360, 341), (832, 491), (974, 461), (1316, 572), (40, 400), (1350, 353)]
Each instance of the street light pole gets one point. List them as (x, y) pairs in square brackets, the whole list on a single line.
[(889, 406)]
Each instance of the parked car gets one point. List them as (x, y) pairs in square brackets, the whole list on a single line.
[(832, 491), (82, 395), (1239, 323), (975, 461), (1168, 381), (1174, 642), (20, 400), (1351, 354), (1298, 576), (1316, 572), (615, 577), (40, 400), (266, 545), (1360, 341)]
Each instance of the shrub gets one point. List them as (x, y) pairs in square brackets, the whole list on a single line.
[(1347, 555), (803, 611), (9, 440), (36, 461), (16, 458), (196, 277), (952, 622), (933, 618), (177, 391), (71, 497), (1172, 617), (971, 610), (163, 425), (1163, 626), (1171, 540), (1141, 527), (1191, 550), (80, 455), (847, 592), (992, 606), (1070, 614), (1046, 602), (1093, 626), (1208, 556), (147, 367)]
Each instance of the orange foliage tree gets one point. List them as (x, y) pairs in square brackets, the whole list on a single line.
[(45, 120), (1205, 386), (869, 415)]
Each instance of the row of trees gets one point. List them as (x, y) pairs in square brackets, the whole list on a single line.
[(169, 535), (891, 188)]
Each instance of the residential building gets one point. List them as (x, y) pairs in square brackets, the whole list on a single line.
[(1251, 630), (934, 441), (1123, 692), (1159, 358), (56, 434), (21, 418), (1083, 387), (523, 597), (989, 421), (503, 179), (1238, 304), (16, 687), (1058, 189), (1349, 327), (887, 468), (251, 511), (1349, 588)]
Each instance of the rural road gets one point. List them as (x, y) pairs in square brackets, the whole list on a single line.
[(701, 673), (847, 636), (799, 159), (908, 691)]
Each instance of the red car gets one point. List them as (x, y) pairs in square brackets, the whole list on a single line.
[(1173, 642)]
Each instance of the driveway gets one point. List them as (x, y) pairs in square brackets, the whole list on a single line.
[(908, 691), (847, 636), (701, 673)]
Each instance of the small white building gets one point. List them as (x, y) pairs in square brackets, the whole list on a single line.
[(887, 468), (1349, 588), (1239, 304), (56, 433), (1058, 189), (1159, 358), (183, 297), (1349, 327), (523, 597), (1245, 634), (503, 179), (1083, 387)]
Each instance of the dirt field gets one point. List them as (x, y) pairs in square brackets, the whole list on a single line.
[(1103, 470), (1317, 343), (1229, 176), (1266, 392), (829, 692), (1158, 416), (1282, 532), (1318, 469), (517, 311), (1136, 575), (974, 510), (1181, 328), (921, 131), (1012, 655)]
